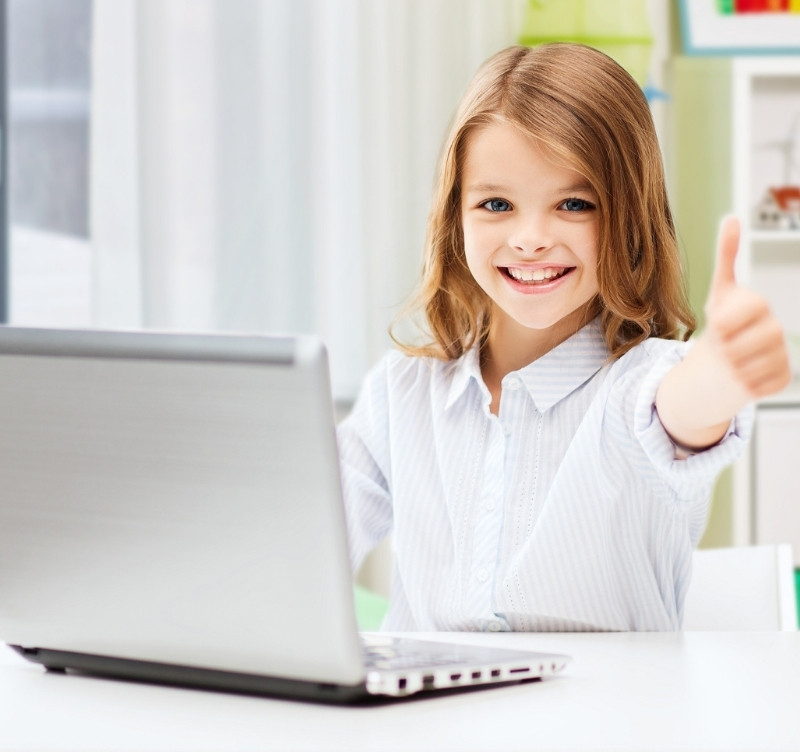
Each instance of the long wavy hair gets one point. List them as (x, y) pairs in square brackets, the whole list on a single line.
[(588, 111)]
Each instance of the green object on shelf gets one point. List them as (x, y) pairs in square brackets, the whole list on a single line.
[(370, 608), (797, 590), (725, 7), (620, 28)]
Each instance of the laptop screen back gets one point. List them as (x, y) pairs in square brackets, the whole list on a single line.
[(174, 498)]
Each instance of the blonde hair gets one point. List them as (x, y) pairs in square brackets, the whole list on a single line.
[(587, 110)]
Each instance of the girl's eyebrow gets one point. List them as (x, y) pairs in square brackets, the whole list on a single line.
[(583, 186), (485, 188), (577, 187)]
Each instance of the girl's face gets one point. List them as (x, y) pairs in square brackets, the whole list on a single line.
[(530, 234)]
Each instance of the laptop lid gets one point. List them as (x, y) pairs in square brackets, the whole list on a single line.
[(174, 498)]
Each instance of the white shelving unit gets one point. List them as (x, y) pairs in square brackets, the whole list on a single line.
[(765, 119), (732, 119)]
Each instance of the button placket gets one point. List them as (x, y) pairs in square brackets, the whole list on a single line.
[(487, 521)]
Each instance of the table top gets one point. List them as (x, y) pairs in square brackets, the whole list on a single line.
[(623, 691)]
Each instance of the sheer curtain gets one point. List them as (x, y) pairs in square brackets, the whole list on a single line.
[(266, 165)]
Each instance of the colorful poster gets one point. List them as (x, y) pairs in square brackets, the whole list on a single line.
[(740, 27), (735, 7)]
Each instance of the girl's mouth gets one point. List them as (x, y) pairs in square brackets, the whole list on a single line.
[(534, 277)]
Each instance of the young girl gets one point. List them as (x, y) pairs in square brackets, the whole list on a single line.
[(545, 461)]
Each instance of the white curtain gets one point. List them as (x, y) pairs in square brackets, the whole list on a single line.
[(266, 165)]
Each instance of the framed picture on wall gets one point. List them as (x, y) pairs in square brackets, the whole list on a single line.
[(740, 27)]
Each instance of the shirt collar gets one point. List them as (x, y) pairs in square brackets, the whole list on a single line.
[(464, 370), (548, 379), (561, 371)]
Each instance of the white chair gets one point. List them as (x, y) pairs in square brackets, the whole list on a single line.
[(742, 588)]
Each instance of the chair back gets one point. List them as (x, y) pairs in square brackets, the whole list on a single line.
[(742, 588)]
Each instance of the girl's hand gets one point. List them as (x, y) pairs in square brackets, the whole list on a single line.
[(740, 356), (745, 337)]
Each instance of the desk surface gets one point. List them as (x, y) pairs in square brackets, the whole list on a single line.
[(625, 691)]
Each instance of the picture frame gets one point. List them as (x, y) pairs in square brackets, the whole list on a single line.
[(707, 31)]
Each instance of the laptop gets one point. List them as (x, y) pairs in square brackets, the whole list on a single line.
[(171, 511)]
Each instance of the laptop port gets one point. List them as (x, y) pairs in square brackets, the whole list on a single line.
[(427, 681), (495, 673), (401, 683), (519, 670), (476, 675), (455, 677)]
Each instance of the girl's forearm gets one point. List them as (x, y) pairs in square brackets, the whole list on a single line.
[(698, 399)]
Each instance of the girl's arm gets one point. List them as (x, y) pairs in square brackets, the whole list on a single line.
[(740, 356)]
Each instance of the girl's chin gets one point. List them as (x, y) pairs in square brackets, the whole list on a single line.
[(545, 322)]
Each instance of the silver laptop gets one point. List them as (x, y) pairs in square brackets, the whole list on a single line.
[(170, 510)]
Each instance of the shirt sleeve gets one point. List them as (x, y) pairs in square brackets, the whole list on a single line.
[(364, 457), (687, 476)]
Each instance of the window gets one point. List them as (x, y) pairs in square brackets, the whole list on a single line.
[(47, 101)]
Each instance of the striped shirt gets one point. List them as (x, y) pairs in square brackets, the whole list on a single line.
[(566, 511)]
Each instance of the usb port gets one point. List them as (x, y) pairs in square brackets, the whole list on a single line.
[(495, 673), (455, 677), (476, 675), (427, 681)]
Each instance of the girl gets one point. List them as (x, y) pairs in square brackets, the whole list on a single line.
[(545, 460)]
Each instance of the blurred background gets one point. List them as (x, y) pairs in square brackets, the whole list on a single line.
[(267, 165), (255, 165)]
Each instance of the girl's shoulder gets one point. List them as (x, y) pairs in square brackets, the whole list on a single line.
[(410, 379), (652, 350), (645, 365), (397, 368)]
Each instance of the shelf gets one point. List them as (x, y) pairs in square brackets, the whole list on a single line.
[(789, 397), (775, 236)]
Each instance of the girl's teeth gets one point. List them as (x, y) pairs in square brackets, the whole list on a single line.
[(534, 275)]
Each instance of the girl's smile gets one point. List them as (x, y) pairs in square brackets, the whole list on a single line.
[(537, 278), (530, 238)]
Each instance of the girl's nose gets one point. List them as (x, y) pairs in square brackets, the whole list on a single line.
[(531, 234)]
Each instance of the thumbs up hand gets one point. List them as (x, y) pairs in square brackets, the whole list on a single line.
[(741, 356), (746, 338)]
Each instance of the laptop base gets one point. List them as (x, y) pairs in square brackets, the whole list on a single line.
[(189, 677), (192, 677)]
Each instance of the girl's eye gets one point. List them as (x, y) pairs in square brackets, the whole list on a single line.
[(496, 205), (576, 205)]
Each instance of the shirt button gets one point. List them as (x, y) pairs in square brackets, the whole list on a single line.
[(494, 626), (482, 574), (513, 383), (489, 505)]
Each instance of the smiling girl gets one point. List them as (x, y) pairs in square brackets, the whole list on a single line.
[(544, 461)]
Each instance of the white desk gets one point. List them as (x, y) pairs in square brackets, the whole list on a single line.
[(694, 691)]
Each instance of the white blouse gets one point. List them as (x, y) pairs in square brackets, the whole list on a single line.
[(567, 511)]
